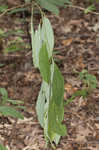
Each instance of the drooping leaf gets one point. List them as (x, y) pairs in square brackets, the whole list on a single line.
[(57, 86), (55, 108), (44, 64), (54, 120), (48, 36), (9, 111), (36, 46), (36, 42), (40, 106)]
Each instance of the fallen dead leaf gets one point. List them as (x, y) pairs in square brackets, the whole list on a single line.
[(30, 76), (76, 22), (82, 133), (79, 63), (67, 42), (69, 88), (97, 125)]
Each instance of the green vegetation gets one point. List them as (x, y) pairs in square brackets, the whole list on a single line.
[(7, 110), (2, 147), (50, 103), (89, 84), (50, 108)]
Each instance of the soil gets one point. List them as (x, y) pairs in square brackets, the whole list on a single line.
[(77, 48)]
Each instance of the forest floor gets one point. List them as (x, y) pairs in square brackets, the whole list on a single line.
[(77, 48)]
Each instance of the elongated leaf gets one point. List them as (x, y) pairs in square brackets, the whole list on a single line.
[(15, 102), (55, 107), (37, 44), (4, 94), (44, 64), (48, 35), (57, 86), (9, 111), (32, 38), (17, 10), (54, 123), (40, 106)]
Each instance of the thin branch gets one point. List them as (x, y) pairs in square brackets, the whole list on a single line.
[(9, 9), (83, 9)]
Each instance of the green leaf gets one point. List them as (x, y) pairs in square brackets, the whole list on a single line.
[(16, 10), (15, 102), (3, 8), (83, 93), (57, 86), (89, 8), (36, 46), (13, 47), (44, 64), (48, 36), (60, 2), (4, 94), (21, 107), (40, 106), (49, 6), (55, 107), (54, 120), (9, 111), (2, 65), (27, 1), (2, 147), (1, 32), (91, 81)]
